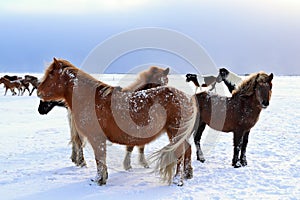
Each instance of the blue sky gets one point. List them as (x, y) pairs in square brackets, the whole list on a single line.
[(244, 36)]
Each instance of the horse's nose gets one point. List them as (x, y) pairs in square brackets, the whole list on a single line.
[(265, 103)]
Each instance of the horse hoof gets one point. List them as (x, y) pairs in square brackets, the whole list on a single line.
[(201, 159), (237, 165), (180, 183)]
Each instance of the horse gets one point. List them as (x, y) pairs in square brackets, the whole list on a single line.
[(153, 77), (231, 80), (208, 80), (237, 114), (102, 112), (25, 84), (33, 81), (11, 85)]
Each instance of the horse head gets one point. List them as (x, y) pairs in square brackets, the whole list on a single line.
[(157, 76), (193, 78), (53, 85), (223, 73), (263, 89)]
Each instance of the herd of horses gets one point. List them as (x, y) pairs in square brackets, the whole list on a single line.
[(138, 114), (19, 83)]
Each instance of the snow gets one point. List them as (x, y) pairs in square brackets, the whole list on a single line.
[(35, 164)]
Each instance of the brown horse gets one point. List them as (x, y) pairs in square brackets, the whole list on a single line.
[(25, 84), (152, 77), (11, 85), (102, 112), (237, 114)]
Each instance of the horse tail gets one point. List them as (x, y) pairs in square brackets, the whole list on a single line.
[(167, 157)]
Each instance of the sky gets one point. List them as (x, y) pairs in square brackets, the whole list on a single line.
[(243, 36)]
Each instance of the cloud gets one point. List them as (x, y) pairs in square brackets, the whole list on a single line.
[(69, 6)]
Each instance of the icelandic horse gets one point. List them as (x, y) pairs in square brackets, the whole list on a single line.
[(152, 77), (237, 114), (11, 85), (102, 112), (231, 80), (208, 80)]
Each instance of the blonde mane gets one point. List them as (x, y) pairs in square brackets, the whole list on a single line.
[(144, 77), (247, 87)]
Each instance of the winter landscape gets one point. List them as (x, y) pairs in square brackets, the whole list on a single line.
[(35, 155)]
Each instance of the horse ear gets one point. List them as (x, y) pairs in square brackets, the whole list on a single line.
[(57, 64), (166, 71), (270, 77)]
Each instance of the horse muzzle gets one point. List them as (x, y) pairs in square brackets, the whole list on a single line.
[(264, 104)]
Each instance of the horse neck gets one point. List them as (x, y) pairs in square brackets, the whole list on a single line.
[(195, 81), (233, 79), (137, 85), (249, 102), (147, 86), (229, 85), (83, 88)]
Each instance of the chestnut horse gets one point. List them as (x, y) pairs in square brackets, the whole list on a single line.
[(237, 114), (11, 85), (102, 112), (153, 77)]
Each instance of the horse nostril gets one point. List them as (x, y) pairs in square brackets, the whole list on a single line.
[(265, 103)]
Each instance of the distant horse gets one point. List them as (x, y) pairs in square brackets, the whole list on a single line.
[(231, 80), (25, 83), (208, 80), (237, 114), (153, 77), (33, 81), (102, 112), (12, 85)]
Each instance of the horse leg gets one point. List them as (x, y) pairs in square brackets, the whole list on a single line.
[(98, 143), (243, 149), (179, 176), (184, 168), (127, 159), (197, 138), (142, 159), (13, 91), (237, 143), (32, 91), (77, 150), (5, 91), (188, 169)]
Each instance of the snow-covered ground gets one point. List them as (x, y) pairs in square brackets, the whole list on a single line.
[(35, 164)]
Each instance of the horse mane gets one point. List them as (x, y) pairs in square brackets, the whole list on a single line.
[(70, 70), (247, 87), (143, 79)]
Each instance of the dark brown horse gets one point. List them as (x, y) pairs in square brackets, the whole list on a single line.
[(33, 81), (153, 77), (237, 114), (101, 112)]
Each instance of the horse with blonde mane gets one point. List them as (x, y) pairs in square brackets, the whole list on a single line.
[(237, 114), (102, 112), (152, 77)]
